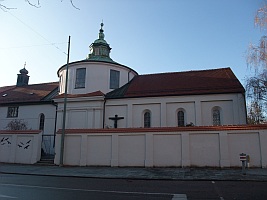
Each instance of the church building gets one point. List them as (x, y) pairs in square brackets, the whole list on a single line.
[(104, 94)]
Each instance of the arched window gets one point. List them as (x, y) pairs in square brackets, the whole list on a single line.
[(41, 122), (180, 117), (216, 116), (147, 119)]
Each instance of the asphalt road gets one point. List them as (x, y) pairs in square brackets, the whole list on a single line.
[(28, 187)]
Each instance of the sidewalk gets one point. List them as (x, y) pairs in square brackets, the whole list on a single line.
[(253, 174)]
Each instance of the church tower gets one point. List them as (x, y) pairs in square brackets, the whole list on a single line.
[(23, 78)]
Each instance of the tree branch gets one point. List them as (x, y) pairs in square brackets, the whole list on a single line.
[(30, 2), (5, 8), (74, 5), (34, 5)]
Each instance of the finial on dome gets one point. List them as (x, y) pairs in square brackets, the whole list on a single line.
[(24, 71), (102, 24), (101, 32)]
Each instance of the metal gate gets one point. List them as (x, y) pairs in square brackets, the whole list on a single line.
[(48, 146)]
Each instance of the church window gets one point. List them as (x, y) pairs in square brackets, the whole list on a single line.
[(80, 78), (147, 119), (114, 79), (41, 123), (216, 116), (12, 111), (96, 51), (180, 117)]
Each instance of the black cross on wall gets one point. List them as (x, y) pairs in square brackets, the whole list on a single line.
[(115, 119)]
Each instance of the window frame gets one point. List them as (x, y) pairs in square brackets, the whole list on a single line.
[(147, 119), (216, 116), (12, 111), (114, 79), (41, 121), (181, 122), (80, 78)]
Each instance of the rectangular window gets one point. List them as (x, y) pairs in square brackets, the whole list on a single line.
[(12, 111), (114, 79), (80, 78)]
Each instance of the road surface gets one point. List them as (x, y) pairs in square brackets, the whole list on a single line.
[(29, 187)]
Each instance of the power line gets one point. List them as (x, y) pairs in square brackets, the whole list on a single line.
[(50, 43), (36, 45)]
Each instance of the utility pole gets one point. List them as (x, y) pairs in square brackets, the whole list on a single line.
[(64, 110)]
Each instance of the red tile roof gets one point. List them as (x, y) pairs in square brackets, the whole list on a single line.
[(167, 129), (20, 131), (28, 93), (215, 81), (91, 94), (5, 88)]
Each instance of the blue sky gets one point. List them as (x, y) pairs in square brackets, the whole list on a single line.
[(150, 36)]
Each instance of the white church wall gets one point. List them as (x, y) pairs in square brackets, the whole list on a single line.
[(174, 107), (81, 113), (226, 109), (120, 110), (97, 77), (197, 108), (78, 119), (241, 109), (164, 147), (140, 109), (30, 114)]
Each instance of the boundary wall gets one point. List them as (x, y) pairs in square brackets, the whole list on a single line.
[(206, 146), (20, 146)]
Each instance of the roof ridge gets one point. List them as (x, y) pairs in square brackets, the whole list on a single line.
[(94, 94), (188, 71), (43, 83)]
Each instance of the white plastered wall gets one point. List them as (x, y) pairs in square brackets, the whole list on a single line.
[(30, 114), (97, 77), (164, 149), (198, 110), (81, 112)]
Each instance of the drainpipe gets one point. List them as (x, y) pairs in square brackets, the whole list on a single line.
[(55, 126), (104, 112)]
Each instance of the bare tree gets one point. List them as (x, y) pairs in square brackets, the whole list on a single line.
[(256, 88), (257, 54), (17, 125), (33, 3), (256, 85)]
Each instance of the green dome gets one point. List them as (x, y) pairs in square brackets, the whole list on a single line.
[(100, 49)]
